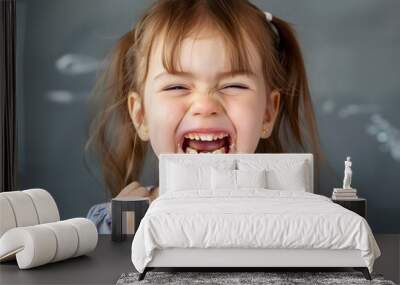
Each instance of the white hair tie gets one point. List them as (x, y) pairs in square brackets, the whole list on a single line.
[(268, 15)]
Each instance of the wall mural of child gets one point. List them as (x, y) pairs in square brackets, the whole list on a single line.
[(199, 76)]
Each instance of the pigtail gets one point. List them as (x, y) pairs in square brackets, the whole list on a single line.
[(112, 135), (296, 121)]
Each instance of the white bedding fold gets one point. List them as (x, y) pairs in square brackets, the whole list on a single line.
[(252, 218)]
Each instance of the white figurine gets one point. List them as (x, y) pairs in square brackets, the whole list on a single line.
[(347, 174)]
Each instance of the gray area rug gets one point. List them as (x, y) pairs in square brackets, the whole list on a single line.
[(225, 278)]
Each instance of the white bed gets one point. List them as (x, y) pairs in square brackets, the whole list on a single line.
[(198, 223)]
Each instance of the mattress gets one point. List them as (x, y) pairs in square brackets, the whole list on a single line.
[(250, 218)]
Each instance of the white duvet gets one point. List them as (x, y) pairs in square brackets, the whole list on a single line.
[(251, 218)]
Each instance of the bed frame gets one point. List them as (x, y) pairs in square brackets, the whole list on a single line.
[(248, 259)]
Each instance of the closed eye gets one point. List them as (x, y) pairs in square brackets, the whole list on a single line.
[(178, 87), (236, 86)]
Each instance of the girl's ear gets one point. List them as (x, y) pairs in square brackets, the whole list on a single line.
[(271, 112), (136, 112)]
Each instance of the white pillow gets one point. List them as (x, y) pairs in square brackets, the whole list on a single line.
[(229, 179), (223, 179), (291, 178), (184, 174), (281, 174), (251, 178), (182, 177)]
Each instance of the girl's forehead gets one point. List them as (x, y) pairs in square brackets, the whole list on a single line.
[(203, 54)]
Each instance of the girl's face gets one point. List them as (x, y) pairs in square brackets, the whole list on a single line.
[(204, 108)]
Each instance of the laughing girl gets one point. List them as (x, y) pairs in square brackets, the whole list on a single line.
[(199, 76)]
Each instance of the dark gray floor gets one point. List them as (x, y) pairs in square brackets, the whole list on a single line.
[(110, 260), (389, 262)]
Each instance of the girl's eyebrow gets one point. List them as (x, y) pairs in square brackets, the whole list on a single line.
[(219, 75)]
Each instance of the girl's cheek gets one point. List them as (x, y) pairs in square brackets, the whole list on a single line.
[(247, 135), (164, 117), (246, 117)]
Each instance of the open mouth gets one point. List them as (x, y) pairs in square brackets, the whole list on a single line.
[(206, 143)]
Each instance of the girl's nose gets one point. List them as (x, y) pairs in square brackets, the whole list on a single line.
[(206, 105)]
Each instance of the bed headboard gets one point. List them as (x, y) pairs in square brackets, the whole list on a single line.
[(210, 158)]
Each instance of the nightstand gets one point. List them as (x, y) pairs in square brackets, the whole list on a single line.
[(138, 205), (358, 206)]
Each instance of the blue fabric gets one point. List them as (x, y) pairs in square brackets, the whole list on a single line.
[(100, 215)]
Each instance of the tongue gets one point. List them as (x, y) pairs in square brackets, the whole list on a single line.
[(206, 145)]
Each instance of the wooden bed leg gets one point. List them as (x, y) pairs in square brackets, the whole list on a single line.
[(142, 275), (364, 271)]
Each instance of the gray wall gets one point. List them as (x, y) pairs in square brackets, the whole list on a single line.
[(350, 50)]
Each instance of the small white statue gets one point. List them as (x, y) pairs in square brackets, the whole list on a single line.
[(347, 174)]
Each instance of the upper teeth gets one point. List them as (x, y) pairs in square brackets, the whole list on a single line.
[(205, 137)]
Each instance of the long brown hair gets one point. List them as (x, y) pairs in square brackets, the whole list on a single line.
[(112, 135)]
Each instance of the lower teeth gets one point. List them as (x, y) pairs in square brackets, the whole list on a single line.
[(191, 150)]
